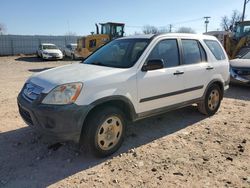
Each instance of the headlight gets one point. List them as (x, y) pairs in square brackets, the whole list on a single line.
[(45, 53), (63, 94)]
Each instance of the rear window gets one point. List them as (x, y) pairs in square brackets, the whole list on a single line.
[(216, 49)]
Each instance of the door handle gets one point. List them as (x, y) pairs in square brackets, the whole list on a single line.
[(210, 68), (178, 72)]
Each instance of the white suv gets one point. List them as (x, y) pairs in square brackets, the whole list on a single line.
[(125, 80)]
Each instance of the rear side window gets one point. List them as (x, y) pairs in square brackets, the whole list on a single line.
[(216, 49), (168, 51), (193, 52)]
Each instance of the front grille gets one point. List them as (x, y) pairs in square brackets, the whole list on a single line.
[(54, 54), (243, 72), (31, 91), (25, 115)]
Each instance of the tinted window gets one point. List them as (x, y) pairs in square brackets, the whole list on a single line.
[(216, 49), (167, 50), (192, 52)]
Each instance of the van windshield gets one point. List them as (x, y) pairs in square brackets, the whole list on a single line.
[(121, 53)]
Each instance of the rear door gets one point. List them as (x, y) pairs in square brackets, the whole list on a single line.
[(160, 88), (197, 70)]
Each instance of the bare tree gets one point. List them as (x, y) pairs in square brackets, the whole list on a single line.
[(185, 30), (149, 29), (228, 23), (2, 29), (163, 30), (225, 23)]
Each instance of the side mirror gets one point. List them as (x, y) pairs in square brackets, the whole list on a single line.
[(153, 64)]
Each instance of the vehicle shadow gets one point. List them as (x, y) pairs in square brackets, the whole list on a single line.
[(27, 161), (35, 59), (30, 59), (240, 92)]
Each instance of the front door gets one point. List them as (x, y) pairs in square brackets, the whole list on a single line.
[(162, 87)]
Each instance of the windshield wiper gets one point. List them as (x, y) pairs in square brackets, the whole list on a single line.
[(98, 63)]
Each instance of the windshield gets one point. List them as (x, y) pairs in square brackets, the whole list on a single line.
[(246, 56), (73, 46), (49, 47), (118, 53), (242, 30)]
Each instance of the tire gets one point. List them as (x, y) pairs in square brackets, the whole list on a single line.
[(72, 57), (104, 131), (212, 101)]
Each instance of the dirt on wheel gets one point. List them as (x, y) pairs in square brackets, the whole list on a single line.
[(182, 148)]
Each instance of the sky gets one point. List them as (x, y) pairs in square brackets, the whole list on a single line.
[(58, 17)]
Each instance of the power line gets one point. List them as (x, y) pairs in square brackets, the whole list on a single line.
[(175, 23)]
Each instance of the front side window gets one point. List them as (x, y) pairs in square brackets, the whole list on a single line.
[(192, 52), (167, 50), (118, 53), (216, 49), (106, 29)]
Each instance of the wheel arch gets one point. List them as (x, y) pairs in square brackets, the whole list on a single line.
[(215, 82), (121, 102)]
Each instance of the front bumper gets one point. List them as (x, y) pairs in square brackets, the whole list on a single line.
[(45, 56), (238, 79), (62, 122)]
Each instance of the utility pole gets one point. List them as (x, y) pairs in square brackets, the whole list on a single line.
[(206, 21), (170, 28), (244, 9)]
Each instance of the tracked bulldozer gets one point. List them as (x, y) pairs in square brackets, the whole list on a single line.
[(108, 31)]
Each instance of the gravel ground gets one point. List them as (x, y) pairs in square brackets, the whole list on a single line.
[(178, 149)]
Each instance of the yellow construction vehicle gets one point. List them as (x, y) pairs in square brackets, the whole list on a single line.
[(237, 43), (87, 44)]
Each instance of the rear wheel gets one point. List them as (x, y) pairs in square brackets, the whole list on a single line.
[(104, 131), (212, 101), (72, 57)]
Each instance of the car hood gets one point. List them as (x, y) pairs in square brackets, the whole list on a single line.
[(79, 72), (240, 63), (52, 51)]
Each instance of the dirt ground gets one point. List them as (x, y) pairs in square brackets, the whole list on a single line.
[(178, 149)]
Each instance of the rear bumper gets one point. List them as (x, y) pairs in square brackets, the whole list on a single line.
[(60, 122)]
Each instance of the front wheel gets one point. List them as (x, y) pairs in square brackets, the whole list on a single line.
[(104, 131), (212, 101)]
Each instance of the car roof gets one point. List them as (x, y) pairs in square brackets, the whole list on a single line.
[(184, 35)]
